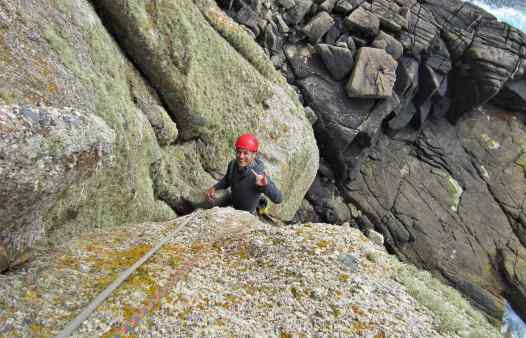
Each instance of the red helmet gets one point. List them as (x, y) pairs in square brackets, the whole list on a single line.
[(248, 142)]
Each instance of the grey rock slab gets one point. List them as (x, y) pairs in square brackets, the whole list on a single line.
[(318, 26), (338, 60), (296, 14), (363, 22), (390, 44), (374, 74), (343, 7), (328, 5)]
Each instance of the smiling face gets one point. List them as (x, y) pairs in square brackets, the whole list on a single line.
[(244, 157)]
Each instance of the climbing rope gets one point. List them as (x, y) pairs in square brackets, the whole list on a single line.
[(81, 317)]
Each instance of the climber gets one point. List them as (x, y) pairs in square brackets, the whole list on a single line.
[(247, 179)]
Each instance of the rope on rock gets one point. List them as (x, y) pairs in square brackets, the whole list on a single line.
[(81, 317)]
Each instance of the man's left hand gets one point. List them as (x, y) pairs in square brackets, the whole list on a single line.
[(261, 180)]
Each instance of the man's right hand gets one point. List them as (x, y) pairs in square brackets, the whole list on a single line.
[(211, 194)]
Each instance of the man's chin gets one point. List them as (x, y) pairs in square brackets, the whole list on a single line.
[(242, 164)]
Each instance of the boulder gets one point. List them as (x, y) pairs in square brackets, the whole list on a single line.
[(338, 60), (328, 6), (295, 15), (374, 74), (201, 93), (363, 22), (316, 28), (422, 30), (43, 150), (343, 7), (406, 86), (512, 95), (391, 45), (389, 14)]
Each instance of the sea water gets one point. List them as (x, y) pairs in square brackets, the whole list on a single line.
[(512, 12)]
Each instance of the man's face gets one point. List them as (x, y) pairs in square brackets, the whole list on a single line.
[(244, 157)]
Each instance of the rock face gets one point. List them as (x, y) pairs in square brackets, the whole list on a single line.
[(447, 58), (42, 152), (175, 110), (225, 269), (453, 203)]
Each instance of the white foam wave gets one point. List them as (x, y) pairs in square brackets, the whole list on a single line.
[(513, 16)]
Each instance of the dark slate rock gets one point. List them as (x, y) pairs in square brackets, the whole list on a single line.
[(287, 4), (273, 41), (328, 5), (339, 117), (428, 85), (437, 56), (512, 96), (318, 26), (334, 32), (343, 7), (304, 61), (448, 192), (391, 45), (296, 14), (422, 30), (249, 18), (363, 22), (338, 60), (281, 24), (389, 14), (334, 211), (405, 87), (374, 74)]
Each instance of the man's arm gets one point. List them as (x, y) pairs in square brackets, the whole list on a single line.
[(265, 185), (225, 181), (222, 184), (272, 192)]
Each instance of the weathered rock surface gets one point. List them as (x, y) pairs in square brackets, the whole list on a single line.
[(452, 59), (373, 76), (228, 274), (43, 150), (172, 116), (453, 203), (204, 92)]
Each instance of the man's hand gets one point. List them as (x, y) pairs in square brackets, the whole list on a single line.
[(211, 194), (261, 180)]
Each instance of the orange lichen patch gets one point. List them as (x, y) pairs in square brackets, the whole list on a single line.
[(380, 334), (118, 332), (357, 310), (38, 330), (343, 277), (112, 260), (359, 327), (151, 9), (285, 334)]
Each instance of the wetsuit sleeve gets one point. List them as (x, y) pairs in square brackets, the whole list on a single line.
[(272, 192), (225, 181)]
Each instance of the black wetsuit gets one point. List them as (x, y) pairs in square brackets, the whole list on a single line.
[(242, 182)]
